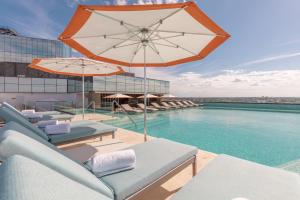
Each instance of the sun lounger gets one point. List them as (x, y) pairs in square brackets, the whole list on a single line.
[(181, 104), (174, 104), (187, 104), (229, 178), (20, 182), (168, 105), (155, 105), (130, 109), (194, 103), (149, 109), (79, 129), (156, 161), (47, 115)]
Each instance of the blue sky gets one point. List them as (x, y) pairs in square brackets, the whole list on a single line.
[(262, 58)]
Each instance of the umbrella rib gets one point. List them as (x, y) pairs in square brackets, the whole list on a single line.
[(126, 45), (114, 19), (105, 35), (178, 46), (115, 45), (189, 33), (155, 50), (168, 16), (138, 47), (167, 37)]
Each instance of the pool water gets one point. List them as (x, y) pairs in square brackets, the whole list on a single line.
[(271, 138)]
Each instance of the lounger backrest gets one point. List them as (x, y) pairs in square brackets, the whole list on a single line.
[(165, 104), (24, 179), (126, 107), (21, 129), (8, 115), (155, 104), (141, 105), (15, 143), (172, 103)]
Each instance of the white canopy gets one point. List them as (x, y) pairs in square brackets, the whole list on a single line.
[(148, 96), (168, 96), (75, 66), (118, 96), (143, 35)]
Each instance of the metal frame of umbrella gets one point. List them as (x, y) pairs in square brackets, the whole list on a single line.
[(147, 39), (64, 66)]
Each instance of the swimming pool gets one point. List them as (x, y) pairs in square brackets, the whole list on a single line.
[(271, 138)]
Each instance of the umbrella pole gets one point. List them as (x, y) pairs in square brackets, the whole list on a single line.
[(145, 96), (82, 96)]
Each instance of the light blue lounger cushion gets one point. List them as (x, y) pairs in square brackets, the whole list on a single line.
[(15, 143), (25, 179), (80, 129), (21, 129), (228, 178), (7, 114), (153, 160)]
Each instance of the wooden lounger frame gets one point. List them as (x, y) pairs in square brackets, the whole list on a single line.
[(191, 161), (112, 133)]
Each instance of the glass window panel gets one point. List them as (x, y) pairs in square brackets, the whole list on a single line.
[(129, 80), (98, 78), (38, 81), (1, 87), (130, 88), (111, 78), (50, 88), (71, 88), (11, 80), (50, 81), (61, 81), (38, 88), (62, 88), (99, 86), (1, 79), (24, 81), (24, 88), (121, 79), (11, 87), (121, 87), (110, 86)]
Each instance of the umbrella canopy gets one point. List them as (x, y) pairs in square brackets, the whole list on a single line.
[(148, 96), (118, 96), (143, 35), (75, 67), (168, 96)]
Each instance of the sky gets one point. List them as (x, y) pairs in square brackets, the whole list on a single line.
[(262, 57)]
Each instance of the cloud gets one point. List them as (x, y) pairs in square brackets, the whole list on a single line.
[(230, 83), (73, 3), (269, 59)]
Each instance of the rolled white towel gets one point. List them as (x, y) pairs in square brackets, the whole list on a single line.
[(44, 123), (58, 129), (113, 162), (32, 115), (25, 112)]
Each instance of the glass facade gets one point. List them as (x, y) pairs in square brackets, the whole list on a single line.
[(128, 85), (33, 85), (24, 49)]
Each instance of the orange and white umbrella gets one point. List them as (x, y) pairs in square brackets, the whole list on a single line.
[(76, 67), (148, 96), (118, 96), (143, 35)]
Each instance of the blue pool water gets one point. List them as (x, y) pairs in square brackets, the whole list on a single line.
[(271, 138)]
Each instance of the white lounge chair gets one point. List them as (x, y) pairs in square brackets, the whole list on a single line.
[(130, 109), (169, 105), (155, 105), (150, 109)]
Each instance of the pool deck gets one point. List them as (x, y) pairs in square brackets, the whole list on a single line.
[(83, 150)]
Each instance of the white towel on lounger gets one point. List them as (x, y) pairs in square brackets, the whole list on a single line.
[(32, 115), (44, 123), (113, 162), (28, 112), (58, 129)]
